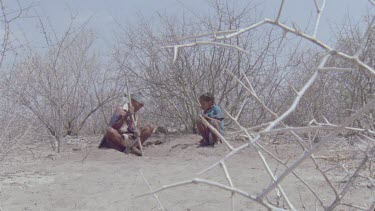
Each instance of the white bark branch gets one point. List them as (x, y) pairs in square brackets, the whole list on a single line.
[(349, 183), (156, 197), (319, 11), (207, 34), (176, 47), (252, 93), (354, 206), (331, 135), (337, 69), (280, 9), (273, 178), (212, 129), (311, 128), (230, 182), (213, 184)]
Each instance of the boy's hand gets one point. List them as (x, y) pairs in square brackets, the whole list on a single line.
[(210, 119), (122, 113), (136, 133)]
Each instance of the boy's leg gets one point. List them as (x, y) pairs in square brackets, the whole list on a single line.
[(114, 139), (203, 131), (216, 125)]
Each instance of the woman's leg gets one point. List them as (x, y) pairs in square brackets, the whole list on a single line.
[(146, 132), (114, 139)]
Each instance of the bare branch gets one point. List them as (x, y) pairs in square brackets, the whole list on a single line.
[(241, 31), (235, 151), (280, 9), (338, 69), (349, 183), (175, 50), (311, 128), (273, 178), (319, 10), (229, 180), (156, 197), (317, 6), (295, 103), (355, 206), (176, 47), (211, 33), (213, 184), (364, 38), (241, 109), (252, 93), (332, 134)]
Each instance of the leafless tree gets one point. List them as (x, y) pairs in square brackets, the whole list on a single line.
[(11, 45), (67, 84), (174, 82), (362, 155)]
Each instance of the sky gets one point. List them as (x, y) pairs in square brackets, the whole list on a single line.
[(104, 15)]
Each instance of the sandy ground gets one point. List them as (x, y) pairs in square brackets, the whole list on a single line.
[(83, 177)]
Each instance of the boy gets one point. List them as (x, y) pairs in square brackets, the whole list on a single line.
[(212, 113), (122, 130)]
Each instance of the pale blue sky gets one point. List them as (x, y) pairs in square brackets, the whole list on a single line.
[(103, 13)]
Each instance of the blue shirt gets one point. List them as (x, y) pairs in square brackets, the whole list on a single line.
[(215, 112)]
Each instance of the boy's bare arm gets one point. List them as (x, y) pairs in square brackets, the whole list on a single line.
[(210, 118)]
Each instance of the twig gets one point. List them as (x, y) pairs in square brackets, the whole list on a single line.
[(213, 184), (348, 184), (280, 9), (156, 197), (337, 69), (273, 178), (319, 11), (211, 33), (230, 182), (312, 128), (354, 206), (331, 135), (318, 168), (286, 29), (300, 198), (86, 156), (252, 93), (176, 47)]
